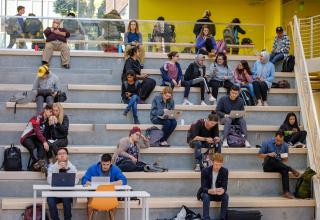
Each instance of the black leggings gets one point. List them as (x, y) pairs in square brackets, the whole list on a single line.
[(147, 87), (260, 90), (215, 85), (53, 147), (299, 136), (32, 143), (127, 165)]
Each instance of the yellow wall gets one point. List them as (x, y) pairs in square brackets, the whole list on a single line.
[(272, 19)]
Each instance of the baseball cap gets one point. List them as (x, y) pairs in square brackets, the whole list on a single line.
[(44, 69), (279, 29)]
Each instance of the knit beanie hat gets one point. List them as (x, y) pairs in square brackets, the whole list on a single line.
[(134, 130)]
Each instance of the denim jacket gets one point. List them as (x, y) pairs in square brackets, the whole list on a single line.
[(158, 106)]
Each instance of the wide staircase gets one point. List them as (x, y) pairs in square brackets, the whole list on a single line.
[(96, 124)]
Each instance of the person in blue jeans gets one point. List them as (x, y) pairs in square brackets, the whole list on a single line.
[(130, 95), (159, 104), (214, 183), (62, 165), (281, 46), (243, 77)]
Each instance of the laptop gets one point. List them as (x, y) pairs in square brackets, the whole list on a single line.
[(237, 114), (172, 114), (100, 180), (63, 179)]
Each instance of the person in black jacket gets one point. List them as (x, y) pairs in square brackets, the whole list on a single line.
[(57, 130), (214, 183), (130, 95), (206, 18), (195, 76), (133, 64)]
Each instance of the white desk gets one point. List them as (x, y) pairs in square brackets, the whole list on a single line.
[(73, 188), (87, 194)]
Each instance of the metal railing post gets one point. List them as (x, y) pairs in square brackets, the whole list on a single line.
[(311, 38)]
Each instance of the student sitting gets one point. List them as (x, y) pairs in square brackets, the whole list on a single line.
[(33, 138), (172, 75), (204, 134), (214, 184), (195, 76), (225, 105), (56, 40), (62, 165), (275, 154), (292, 133), (205, 43), (221, 75), (133, 38), (133, 64), (263, 75), (130, 91), (57, 127), (46, 87), (127, 154), (159, 104), (243, 77), (281, 46)]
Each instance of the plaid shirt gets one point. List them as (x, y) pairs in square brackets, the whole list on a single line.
[(284, 47)]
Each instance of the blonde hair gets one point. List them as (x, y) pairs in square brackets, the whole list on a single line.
[(61, 113), (217, 157), (167, 89)]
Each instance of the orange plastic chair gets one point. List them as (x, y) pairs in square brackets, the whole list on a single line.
[(103, 204)]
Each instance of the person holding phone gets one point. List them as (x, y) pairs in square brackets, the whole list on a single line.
[(275, 154)]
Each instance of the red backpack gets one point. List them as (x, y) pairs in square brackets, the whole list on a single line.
[(27, 214)]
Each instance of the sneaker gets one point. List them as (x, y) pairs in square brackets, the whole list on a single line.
[(259, 103), (197, 168), (225, 143), (248, 144), (288, 195), (203, 103), (298, 145), (187, 102), (211, 98), (164, 144), (125, 113), (265, 103)]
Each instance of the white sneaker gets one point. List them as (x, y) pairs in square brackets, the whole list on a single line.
[(197, 168), (225, 143), (248, 144), (265, 103), (211, 98), (203, 103), (187, 102), (298, 145), (259, 103)]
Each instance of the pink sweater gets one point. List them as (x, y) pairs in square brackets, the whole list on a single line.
[(240, 77)]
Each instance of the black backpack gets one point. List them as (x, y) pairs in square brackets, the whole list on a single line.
[(12, 159), (288, 64), (154, 134), (235, 138)]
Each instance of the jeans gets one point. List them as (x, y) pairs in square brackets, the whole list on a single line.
[(32, 143), (52, 204), (299, 136), (236, 121), (273, 165), (248, 86), (127, 165), (206, 198), (53, 147), (40, 100), (276, 57), (197, 145), (168, 127), (133, 104), (215, 85), (260, 90)]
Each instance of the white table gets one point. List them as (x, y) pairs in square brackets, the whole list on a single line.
[(87, 194), (73, 188)]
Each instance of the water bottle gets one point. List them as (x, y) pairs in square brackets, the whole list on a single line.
[(119, 48), (182, 121)]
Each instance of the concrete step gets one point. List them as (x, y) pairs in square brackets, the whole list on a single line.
[(271, 207), (177, 158), (112, 113), (240, 183), (97, 134)]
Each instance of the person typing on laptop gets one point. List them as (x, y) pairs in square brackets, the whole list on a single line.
[(62, 165), (225, 106)]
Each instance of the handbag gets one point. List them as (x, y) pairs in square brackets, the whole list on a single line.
[(60, 97)]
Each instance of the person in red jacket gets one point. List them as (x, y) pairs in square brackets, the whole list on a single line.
[(33, 138)]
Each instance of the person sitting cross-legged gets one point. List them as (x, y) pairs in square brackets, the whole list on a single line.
[(214, 183), (274, 152), (225, 105)]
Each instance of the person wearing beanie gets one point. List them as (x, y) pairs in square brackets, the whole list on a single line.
[(127, 154), (263, 75), (281, 46), (45, 86)]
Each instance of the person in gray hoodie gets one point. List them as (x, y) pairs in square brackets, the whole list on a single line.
[(62, 165), (220, 74), (46, 87)]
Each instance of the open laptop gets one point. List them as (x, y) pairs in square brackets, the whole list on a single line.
[(237, 114), (100, 180), (172, 114), (63, 179)]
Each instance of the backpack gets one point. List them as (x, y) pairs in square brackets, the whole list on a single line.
[(235, 138), (228, 35), (221, 46), (246, 97), (22, 98), (60, 97), (154, 168), (154, 134), (187, 214), (191, 130), (12, 159), (303, 186), (27, 214), (288, 64), (284, 84), (246, 41)]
